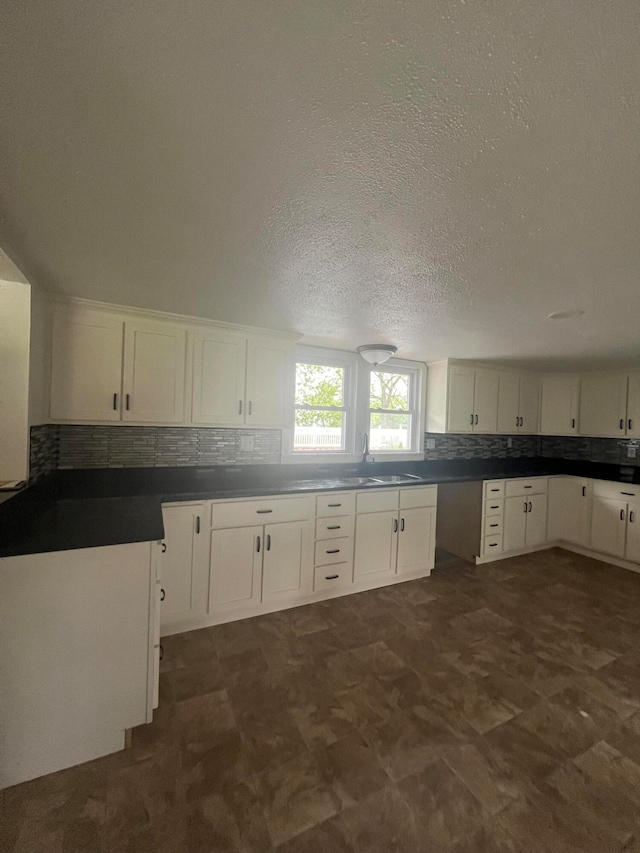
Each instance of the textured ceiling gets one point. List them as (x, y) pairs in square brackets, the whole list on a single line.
[(439, 174)]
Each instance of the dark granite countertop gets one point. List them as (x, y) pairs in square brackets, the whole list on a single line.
[(90, 508)]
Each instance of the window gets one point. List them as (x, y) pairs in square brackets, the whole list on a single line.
[(391, 410), (321, 410)]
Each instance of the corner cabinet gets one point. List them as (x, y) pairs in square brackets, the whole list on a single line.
[(610, 405), (462, 398), (184, 564)]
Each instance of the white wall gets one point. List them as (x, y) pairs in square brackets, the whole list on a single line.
[(15, 323), (39, 360)]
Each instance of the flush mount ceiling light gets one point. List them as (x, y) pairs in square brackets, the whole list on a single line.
[(377, 353), (572, 314)]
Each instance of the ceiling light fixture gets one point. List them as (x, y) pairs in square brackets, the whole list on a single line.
[(571, 314), (377, 353)]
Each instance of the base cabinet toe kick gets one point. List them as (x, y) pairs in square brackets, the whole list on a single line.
[(230, 559)]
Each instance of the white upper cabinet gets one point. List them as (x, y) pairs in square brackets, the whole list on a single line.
[(518, 403), (469, 396), (86, 366), (154, 372), (219, 370), (559, 405), (485, 401), (633, 406), (270, 382), (603, 404), (460, 403), (529, 404)]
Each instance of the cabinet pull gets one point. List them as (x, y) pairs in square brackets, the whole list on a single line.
[(495, 490), (263, 511), (197, 524), (632, 516), (525, 506), (331, 577), (239, 407), (334, 551), (476, 420), (115, 402), (495, 506), (395, 525), (629, 423), (517, 421), (630, 494), (127, 402), (493, 525), (471, 421), (573, 423), (493, 545), (249, 408), (530, 507), (621, 515), (268, 541), (584, 491), (333, 527), (257, 544), (164, 547), (528, 487), (163, 594), (621, 423), (333, 505), (401, 525), (161, 655)]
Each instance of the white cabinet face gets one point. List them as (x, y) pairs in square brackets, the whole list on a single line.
[(86, 369), (416, 540), (559, 405), (219, 367), (376, 545), (536, 532), (485, 405), (460, 405), (235, 568), (529, 405), (633, 533), (603, 404), (633, 406), (184, 569), (270, 382), (154, 372), (508, 403), (568, 513), (608, 526), (283, 574), (515, 523)]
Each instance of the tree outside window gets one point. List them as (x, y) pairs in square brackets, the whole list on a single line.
[(390, 410), (320, 412)]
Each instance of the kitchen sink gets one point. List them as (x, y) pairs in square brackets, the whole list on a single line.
[(395, 478)]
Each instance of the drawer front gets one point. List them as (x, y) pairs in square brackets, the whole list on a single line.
[(618, 491), (521, 488), (491, 545), (339, 576), (494, 489), (340, 503), (493, 525), (493, 506), (378, 501), (265, 511), (334, 528), (418, 496), (330, 551)]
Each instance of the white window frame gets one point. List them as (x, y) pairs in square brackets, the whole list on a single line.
[(356, 399), (349, 363)]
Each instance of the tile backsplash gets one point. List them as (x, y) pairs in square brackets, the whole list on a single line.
[(461, 446), (612, 450), (43, 451)]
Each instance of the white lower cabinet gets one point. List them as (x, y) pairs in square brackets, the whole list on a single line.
[(236, 568), (284, 567), (184, 563), (632, 549), (376, 545), (568, 514), (525, 522), (416, 540), (608, 526), (514, 515)]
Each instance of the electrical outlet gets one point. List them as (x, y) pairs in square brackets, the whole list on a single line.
[(632, 451), (247, 443), (430, 444)]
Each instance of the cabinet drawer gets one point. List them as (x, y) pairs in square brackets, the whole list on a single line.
[(618, 491), (493, 506), (331, 551), (339, 576), (340, 503), (521, 488), (265, 511), (378, 501), (334, 528), (493, 525), (491, 545), (494, 489), (417, 496)]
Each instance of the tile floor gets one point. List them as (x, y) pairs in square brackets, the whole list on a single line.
[(483, 709)]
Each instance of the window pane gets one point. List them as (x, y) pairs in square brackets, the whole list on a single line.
[(389, 432), (319, 385), (389, 390), (318, 431)]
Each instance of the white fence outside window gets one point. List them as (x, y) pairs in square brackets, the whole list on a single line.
[(330, 438)]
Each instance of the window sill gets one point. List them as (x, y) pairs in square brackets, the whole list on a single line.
[(348, 458)]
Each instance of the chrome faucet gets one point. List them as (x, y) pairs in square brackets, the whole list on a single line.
[(366, 456)]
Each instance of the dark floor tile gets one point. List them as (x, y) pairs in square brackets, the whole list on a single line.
[(625, 737), (224, 765), (194, 680), (204, 721), (327, 837), (485, 772), (510, 691), (351, 767), (523, 750), (382, 823), (400, 746)]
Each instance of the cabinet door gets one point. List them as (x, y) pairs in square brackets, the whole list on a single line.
[(235, 567), (376, 545), (568, 510), (559, 405), (608, 525), (633, 406), (154, 372), (416, 541), (86, 368), (603, 404), (515, 523), (284, 573), (529, 405), (219, 367), (460, 399), (508, 397), (270, 382), (633, 534), (184, 565), (485, 401), (536, 532)]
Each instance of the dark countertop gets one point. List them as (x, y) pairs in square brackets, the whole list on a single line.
[(90, 508)]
